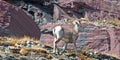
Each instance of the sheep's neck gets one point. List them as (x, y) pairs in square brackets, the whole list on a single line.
[(76, 27)]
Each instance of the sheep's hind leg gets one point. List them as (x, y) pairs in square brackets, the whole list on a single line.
[(64, 48), (75, 48), (55, 50)]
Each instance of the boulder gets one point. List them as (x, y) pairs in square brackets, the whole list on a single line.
[(15, 21)]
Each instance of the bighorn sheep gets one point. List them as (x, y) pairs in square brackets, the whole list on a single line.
[(66, 35)]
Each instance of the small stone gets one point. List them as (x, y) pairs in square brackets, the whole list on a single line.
[(10, 58), (42, 45), (42, 58), (3, 55), (7, 50), (30, 44), (91, 54), (23, 58), (71, 58), (5, 44), (11, 47), (31, 53)]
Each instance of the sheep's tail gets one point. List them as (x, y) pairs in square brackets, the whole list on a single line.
[(54, 32)]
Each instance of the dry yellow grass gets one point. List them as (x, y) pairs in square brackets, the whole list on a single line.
[(107, 23), (114, 22), (82, 21), (14, 41), (83, 57), (18, 41), (38, 50)]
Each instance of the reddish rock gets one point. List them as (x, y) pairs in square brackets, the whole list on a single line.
[(92, 9), (17, 22), (115, 41)]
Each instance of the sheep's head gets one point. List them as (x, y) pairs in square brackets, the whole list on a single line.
[(76, 22)]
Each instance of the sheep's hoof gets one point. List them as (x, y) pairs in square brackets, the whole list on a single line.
[(57, 53), (62, 52)]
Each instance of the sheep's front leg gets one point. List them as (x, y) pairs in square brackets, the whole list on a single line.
[(75, 48), (64, 47), (55, 45)]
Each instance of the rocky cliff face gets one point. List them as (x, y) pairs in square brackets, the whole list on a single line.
[(99, 39), (69, 9), (14, 22)]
